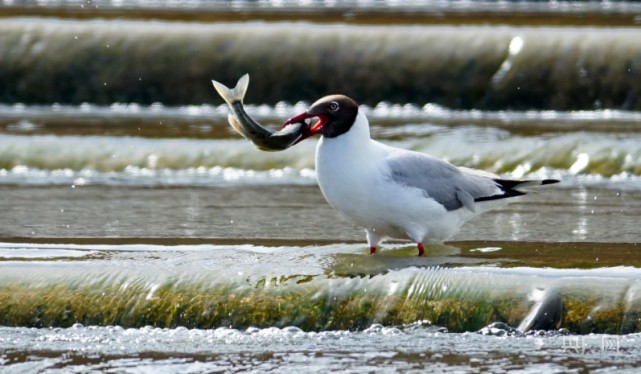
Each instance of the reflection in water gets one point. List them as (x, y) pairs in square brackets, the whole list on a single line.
[(582, 228), (517, 224)]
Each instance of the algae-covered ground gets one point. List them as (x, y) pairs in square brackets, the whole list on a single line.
[(461, 286)]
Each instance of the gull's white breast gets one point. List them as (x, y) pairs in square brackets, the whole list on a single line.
[(355, 179)]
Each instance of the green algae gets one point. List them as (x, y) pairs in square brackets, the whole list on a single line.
[(309, 306), (59, 306), (463, 286), (553, 255)]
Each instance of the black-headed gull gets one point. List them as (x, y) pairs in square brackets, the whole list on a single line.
[(394, 192)]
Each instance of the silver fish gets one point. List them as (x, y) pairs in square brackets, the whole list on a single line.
[(263, 138)]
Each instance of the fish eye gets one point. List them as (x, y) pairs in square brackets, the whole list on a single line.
[(333, 106)]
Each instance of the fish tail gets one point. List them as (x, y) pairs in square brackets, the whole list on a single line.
[(232, 95)]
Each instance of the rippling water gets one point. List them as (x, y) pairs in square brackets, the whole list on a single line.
[(140, 233), (38, 149), (380, 349)]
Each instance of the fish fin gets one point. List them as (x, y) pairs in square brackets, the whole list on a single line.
[(232, 95), (235, 125)]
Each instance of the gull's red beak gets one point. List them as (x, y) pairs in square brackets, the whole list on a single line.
[(315, 128)]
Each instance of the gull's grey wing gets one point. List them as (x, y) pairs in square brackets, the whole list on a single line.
[(441, 181)]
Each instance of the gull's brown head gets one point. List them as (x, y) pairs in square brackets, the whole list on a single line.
[(335, 115)]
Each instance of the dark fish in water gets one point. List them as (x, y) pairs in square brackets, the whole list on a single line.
[(265, 139)]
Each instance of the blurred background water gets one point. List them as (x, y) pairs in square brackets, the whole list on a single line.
[(139, 232)]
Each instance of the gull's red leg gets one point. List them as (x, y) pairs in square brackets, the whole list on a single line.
[(372, 239), (421, 249)]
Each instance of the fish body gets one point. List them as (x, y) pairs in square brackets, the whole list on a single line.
[(263, 138)]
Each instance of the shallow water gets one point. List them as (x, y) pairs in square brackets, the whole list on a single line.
[(138, 233), (380, 349), (292, 213)]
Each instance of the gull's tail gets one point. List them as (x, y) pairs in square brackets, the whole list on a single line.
[(232, 95)]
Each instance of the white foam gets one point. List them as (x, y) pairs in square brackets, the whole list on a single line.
[(11, 251)]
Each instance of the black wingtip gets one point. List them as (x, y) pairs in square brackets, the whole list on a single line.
[(549, 181), (508, 188), (505, 195)]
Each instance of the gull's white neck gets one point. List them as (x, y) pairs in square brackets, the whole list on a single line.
[(351, 170), (348, 160)]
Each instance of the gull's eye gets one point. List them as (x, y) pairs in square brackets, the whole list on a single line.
[(333, 106)]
